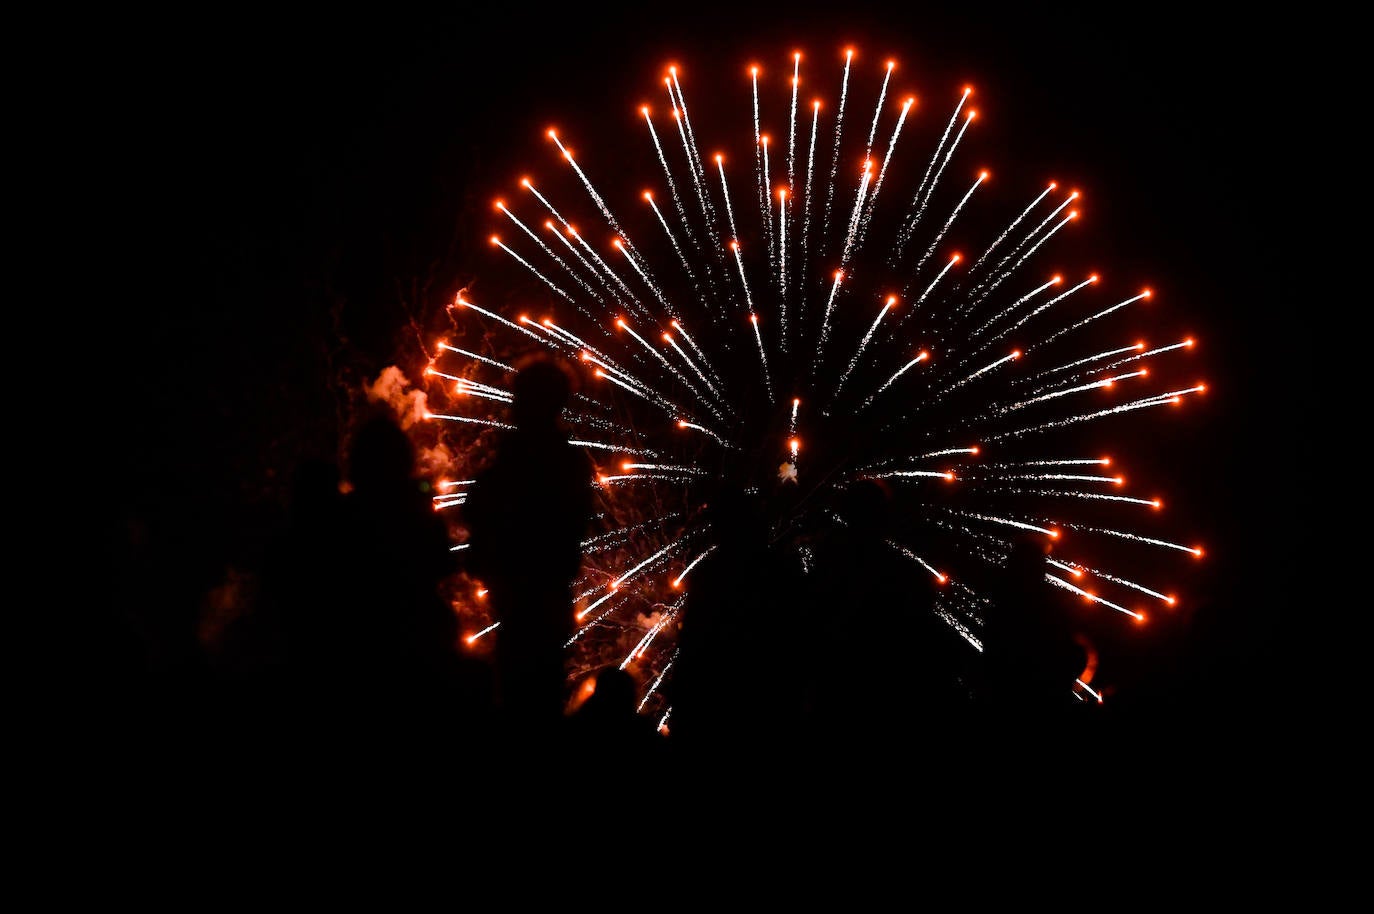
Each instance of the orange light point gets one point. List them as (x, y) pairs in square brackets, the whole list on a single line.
[(495, 240), (1054, 534), (972, 114), (1057, 279), (648, 196), (1158, 503), (644, 110), (984, 175), (1146, 293), (1188, 342), (552, 134), (524, 182), (1092, 278), (667, 338), (796, 401), (501, 205), (754, 319)]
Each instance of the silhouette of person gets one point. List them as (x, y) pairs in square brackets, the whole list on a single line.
[(887, 663), (527, 513), (385, 653), (1032, 651), (723, 673), (608, 723)]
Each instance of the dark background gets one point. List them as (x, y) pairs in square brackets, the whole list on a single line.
[(286, 204)]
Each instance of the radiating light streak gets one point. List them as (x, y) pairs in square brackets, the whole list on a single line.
[(982, 176), (464, 303), (1020, 525), (469, 419), (891, 145), (825, 321), (1000, 275), (683, 423), (472, 639), (1105, 382), (1162, 597), (917, 201), (1145, 403), (863, 344), (1098, 316), (657, 555), (725, 193), (1195, 551), (677, 581), (835, 154), (1010, 357), (604, 446), (668, 338), (639, 649), (763, 356), (654, 687), (792, 123), (920, 357), (668, 175), (480, 358), (939, 576), (1060, 582), (544, 246), (1096, 357), (1053, 301), (1007, 231)]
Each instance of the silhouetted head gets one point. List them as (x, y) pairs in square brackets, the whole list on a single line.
[(867, 505), (542, 388), (615, 691), (381, 455), (1029, 551)]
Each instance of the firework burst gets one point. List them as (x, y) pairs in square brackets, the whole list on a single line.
[(807, 290)]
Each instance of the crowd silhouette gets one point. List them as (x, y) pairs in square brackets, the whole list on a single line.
[(831, 651)]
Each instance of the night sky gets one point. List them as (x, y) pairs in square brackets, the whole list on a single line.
[(293, 202)]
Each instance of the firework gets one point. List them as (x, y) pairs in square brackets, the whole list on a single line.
[(877, 301)]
